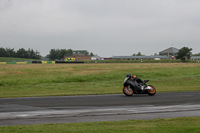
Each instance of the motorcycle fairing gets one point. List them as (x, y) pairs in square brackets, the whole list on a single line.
[(133, 84)]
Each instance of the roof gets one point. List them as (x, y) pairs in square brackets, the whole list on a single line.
[(170, 50), (147, 57), (139, 57), (195, 57)]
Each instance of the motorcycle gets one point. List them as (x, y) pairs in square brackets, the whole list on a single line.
[(131, 86)]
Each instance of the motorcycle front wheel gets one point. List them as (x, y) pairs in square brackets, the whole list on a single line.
[(128, 91), (151, 92)]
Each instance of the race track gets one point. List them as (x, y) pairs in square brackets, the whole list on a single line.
[(89, 108)]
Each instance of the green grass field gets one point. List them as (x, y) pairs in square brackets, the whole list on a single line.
[(175, 125), (28, 80), (11, 59)]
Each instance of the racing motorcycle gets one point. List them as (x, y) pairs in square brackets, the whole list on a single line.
[(132, 86)]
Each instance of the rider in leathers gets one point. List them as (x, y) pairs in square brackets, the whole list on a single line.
[(139, 81)]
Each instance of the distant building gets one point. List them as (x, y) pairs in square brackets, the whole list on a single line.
[(79, 55), (139, 57), (96, 58), (195, 58), (170, 52), (80, 52)]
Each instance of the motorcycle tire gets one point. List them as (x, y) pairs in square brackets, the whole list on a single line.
[(128, 91), (150, 92)]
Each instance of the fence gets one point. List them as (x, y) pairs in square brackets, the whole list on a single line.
[(29, 62)]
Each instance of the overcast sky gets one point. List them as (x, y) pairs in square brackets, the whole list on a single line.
[(104, 27)]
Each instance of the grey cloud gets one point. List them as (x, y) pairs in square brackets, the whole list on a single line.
[(125, 27)]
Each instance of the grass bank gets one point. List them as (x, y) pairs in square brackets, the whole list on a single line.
[(140, 61), (175, 125), (28, 80), (12, 59)]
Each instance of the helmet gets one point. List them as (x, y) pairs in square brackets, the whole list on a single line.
[(133, 76), (128, 75)]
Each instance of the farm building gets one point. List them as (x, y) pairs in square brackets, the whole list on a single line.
[(79, 55), (169, 53), (96, 58), (139, 57), (195, 58), (80, 52), (172, 51)]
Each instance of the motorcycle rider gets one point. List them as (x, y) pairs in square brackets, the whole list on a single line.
[(134, 85), (139, 81)]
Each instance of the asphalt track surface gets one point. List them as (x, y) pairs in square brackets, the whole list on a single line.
[(90, 108)]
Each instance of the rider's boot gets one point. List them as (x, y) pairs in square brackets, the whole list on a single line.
[(142, 87)]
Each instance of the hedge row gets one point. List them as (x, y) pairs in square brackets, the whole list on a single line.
[(40, 62), (29, 62), (140, 61)]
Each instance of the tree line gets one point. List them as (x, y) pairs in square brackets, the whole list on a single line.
[(20, 53), (183, 54), (31, 54), (59, 53)]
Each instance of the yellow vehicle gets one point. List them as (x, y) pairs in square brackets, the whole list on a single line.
[(70, 59)]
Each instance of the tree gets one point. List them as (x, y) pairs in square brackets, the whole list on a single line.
[(53, 54), (59, 54), (139, 54), (64, 52), (91, 54), (10, 52), (197, 54), (3, 52), (38, 56), (184, 54), (22, 53)]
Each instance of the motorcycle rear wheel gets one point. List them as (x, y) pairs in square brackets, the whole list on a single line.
[(128, 91), (151, 92)]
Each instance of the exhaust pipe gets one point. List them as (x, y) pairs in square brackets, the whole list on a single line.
[(149, 88)]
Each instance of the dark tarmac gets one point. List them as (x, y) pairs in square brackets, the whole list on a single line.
[(90, 108)]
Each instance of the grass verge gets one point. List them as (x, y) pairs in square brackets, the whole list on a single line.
[(29, 80), (12, 59), (171, 125)]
